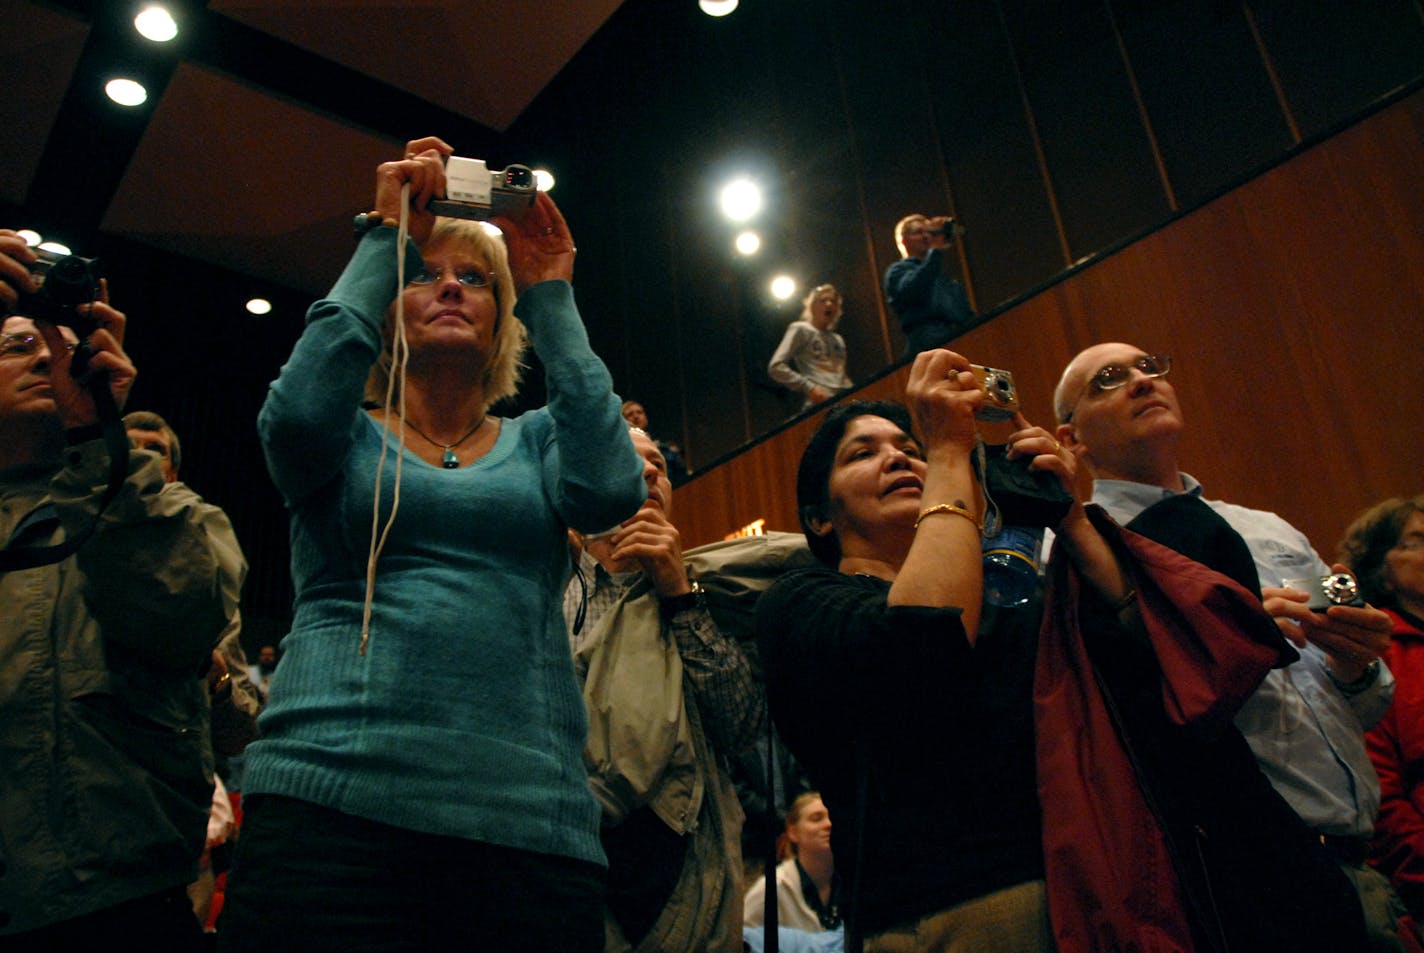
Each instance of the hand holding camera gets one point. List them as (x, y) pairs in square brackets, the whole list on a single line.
[(944, 401), (1329, 613), (423, 169), (16, 257), (541, 248)]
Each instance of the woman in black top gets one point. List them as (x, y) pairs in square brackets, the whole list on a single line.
[(907, 700)]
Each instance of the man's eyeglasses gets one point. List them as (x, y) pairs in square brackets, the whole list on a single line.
[(469, 277), (24, 345), (1112, 376)]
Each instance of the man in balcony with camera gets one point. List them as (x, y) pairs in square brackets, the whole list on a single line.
[(104, 745), (931, 304), (1118, 413)]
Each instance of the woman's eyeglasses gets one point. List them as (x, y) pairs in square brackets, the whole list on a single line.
[(469, 277)]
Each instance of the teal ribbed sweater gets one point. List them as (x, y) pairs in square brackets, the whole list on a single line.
[(464, 717)]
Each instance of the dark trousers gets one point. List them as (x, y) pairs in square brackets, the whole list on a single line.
[(160, 921), (308, 879)]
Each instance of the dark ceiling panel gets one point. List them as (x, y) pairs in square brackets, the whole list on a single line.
[(482, 59), (258, 184), (39, 48)]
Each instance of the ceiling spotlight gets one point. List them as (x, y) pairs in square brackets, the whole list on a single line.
[(259, 306), (57, 248), (32, 238), (156, 23), (126, 92), (544, 179), (717, 8), (748, 243), (741, 199), (783, 287)]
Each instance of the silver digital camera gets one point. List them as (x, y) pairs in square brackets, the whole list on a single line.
[(998, 385), (1336, 589), (474, 191)]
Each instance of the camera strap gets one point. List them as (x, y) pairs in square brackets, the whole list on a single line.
[(993, 519), (117, 442)]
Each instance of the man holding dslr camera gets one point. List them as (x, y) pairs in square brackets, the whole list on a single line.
[(104, 746)]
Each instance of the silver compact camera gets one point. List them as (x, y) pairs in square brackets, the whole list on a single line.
[(998, 385), (474, 191), (1336, 589)]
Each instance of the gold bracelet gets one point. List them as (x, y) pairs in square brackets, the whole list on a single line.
[(950, 508)]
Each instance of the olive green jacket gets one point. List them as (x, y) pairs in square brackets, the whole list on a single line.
[(105, 762)]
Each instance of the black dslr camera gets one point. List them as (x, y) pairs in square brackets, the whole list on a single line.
[(64, 283)]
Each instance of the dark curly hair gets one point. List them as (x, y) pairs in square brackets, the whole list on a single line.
[(1372, 535), (813, 476)]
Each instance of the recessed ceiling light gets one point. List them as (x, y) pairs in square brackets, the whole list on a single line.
[(717, 8), (57, 248), (544, 179), (156, 23), (259, 306), (748, 243), (126, 92), (31, 237), (783, 287), (741, 200)]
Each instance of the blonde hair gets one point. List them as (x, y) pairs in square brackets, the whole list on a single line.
[(785, 849), (903, 224), (505, 365), (815, 293)]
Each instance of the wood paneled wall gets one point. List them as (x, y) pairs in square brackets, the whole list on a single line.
[(1293, 308)]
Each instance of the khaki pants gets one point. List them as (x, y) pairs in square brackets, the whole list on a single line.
[(1012, 920)]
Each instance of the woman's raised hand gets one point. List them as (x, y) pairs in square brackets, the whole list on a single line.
[(540, 245), (943, 398), (424, 169)]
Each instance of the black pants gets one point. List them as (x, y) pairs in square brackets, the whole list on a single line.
[(162, 921), (309, 879)]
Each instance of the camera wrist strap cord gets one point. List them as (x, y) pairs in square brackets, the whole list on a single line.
[(400, 354), (992, 519), (117, 442)]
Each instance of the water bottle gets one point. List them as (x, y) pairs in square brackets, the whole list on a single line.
[(1011, 566)]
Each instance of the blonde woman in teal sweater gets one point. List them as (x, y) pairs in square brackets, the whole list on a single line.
[(419, 782)]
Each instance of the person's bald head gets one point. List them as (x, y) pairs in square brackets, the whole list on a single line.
[(1117, 411)]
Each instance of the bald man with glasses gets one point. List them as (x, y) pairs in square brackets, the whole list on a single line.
[(1118, 413)]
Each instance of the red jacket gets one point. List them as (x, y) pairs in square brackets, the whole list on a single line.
[(1396, 747), (1111, 881)]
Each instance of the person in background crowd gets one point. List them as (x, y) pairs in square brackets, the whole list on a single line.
[(677, 468), (1384, 547), (811, 359), (931, 305), (807, 889), (233, 700), (670, 696)]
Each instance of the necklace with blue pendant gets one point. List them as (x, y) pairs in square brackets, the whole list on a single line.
[(448, 460)]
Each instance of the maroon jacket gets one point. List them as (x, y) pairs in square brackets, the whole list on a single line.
[(1112, 884)]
